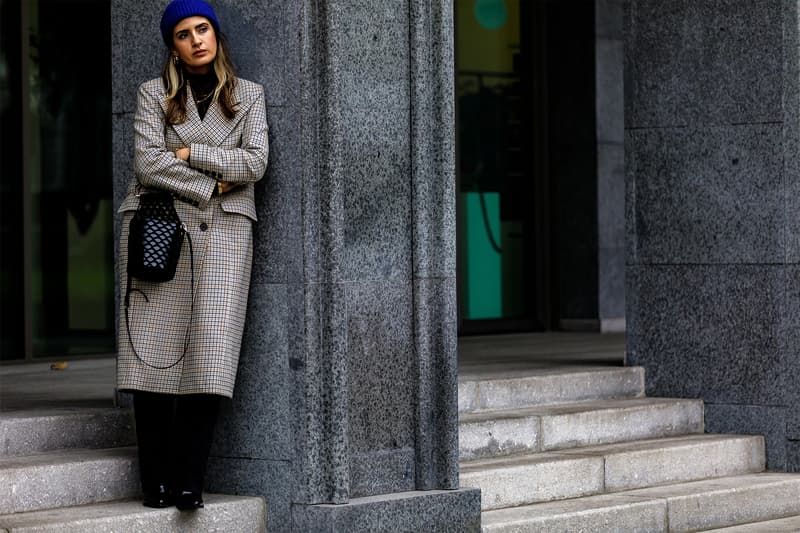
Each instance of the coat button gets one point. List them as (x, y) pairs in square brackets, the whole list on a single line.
[(203, 226)]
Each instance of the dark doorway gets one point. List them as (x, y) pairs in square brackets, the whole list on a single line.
[(56, 221), (527, 216)]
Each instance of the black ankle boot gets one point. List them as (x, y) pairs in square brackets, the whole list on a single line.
[(187, 500), (158, 497)]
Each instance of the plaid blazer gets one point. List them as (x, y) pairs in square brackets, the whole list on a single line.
[(220, 227)]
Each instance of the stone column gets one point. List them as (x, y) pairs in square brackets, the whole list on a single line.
[(610, 166), (346, 392), (713, 236)]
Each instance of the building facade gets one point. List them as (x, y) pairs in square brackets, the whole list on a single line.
[(711, 137), (397, 129)]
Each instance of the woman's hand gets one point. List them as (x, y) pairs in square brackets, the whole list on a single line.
[(227, 186), (183, 153)]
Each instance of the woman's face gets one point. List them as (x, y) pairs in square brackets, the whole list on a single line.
[(195, 43)]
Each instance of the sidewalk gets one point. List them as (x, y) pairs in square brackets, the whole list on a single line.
[(84, 383)]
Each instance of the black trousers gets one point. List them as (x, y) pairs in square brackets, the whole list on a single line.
[(174, 435)]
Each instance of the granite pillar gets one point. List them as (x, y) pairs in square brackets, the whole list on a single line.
[(345, 403), (711, 174)]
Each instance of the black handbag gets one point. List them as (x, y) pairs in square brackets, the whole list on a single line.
[(155, 239)]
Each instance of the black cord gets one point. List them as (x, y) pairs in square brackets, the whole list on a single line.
[(128, 292), (492, 241)]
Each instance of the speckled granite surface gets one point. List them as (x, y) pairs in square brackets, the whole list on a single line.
[(350, 340), (712, 114)]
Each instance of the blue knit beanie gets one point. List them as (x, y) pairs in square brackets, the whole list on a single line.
[(177, 10)]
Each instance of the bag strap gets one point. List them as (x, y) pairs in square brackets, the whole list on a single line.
[(128, 292)]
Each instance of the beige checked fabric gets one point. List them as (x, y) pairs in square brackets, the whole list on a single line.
[(221, 229)]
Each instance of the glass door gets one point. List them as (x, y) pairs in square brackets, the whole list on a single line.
[(56, 221), (497, 168)]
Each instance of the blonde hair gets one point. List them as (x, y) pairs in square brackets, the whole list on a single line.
[(175, 84)]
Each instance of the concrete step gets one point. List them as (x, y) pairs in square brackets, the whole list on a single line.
[(519, 480), (27, 432), (727, 501), (67, 478), (534, 429), (790, 524), (224, 514), (564, 384), (608, 513), (694, 506)]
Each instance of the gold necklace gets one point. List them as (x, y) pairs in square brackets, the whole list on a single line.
[(203, 99)]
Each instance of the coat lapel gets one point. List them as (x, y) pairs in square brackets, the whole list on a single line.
[(188, 129), (216, 124)]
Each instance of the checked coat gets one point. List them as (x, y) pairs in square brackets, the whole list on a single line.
[(220, 227)]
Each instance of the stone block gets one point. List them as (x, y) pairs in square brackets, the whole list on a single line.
[(221, 513), (769, 421), (377, 195), (258, 38), (381, 366), (137, 50), (319, 398), (433, 138), (368, 55), (701, 505), (382, 472), (548, 386), (277, 253), (609, 421), (433, 510), (520, 480), (713, 62), (28, 432), (122, 157), (271, 480), (593, 513), (710, 331), (666, 461), (709, 195), (74, 477), (255, 423), (435, 345)]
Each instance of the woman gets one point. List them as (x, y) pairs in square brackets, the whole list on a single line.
[(201, 134)]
